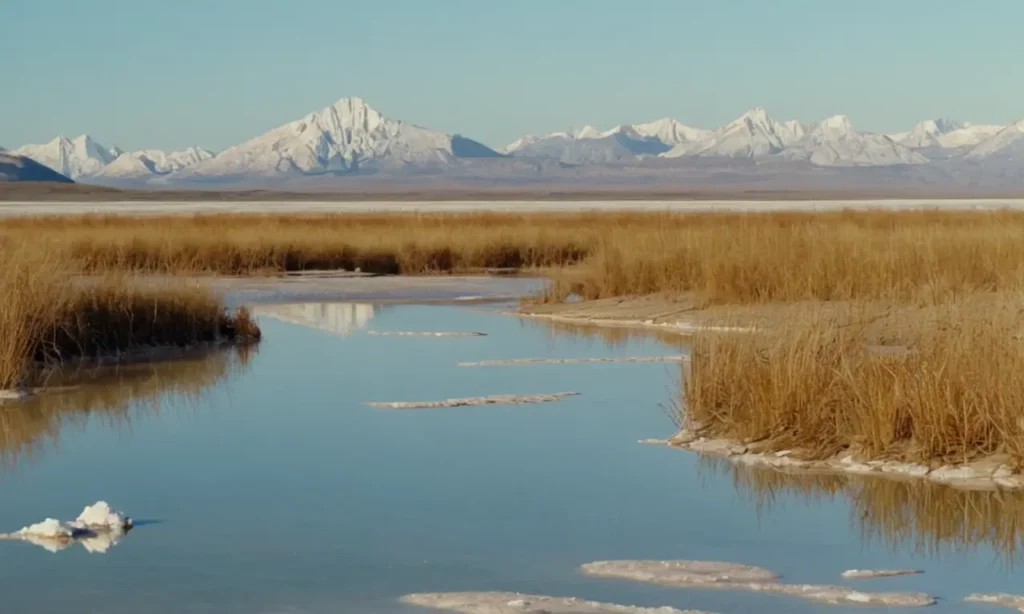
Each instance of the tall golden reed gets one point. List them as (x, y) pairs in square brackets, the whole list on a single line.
[(818, 384), (48, 316)]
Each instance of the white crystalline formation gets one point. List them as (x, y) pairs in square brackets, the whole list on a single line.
[(97, 528)]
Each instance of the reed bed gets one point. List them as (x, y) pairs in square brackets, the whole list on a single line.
[(49, 317), (924, 256), (812, 383), (817, 384)]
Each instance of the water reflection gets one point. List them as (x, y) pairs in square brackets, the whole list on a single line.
[(924, 517), (111, 393), (99, 542), (334, 318), (614, 336)]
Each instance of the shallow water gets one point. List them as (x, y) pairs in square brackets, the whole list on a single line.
[(265, 484)]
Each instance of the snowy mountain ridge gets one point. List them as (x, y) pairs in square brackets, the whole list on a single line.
[(338, 139), (83, 157), (350, 137)]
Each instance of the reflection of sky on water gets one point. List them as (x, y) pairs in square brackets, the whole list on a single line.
[(283, 492)]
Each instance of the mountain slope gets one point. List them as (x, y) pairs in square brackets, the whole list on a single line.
[(1006, 144), (150, 162), (342, 138), (968, 136), (74, 158), (20, 168), (624, 143), (752, 135), (670, 132), (834, 142), (927, 133)]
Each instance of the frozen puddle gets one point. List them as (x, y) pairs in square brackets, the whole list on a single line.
[(867, 574), (1004, 599), (572, 361), (734, 576), (499, 399), (98, 528), (414, 333), (514, 603)]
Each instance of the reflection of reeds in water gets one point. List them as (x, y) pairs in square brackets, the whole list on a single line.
[(924, 517), (933, 518), (113, 394)]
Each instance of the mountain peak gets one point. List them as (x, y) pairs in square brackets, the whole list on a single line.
[(836, 124), (756, 113)]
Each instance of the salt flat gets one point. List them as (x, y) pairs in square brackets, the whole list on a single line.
[(14, 208)]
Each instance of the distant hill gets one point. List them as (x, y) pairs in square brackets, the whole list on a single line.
[(20, 168)]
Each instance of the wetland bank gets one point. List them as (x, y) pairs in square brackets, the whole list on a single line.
[(886, 335)]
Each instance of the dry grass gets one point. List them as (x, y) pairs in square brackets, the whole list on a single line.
[(818, 385), (925, 256), (813, 384), (47, 317)]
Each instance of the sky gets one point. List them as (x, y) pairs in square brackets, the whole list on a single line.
[(171, 74)]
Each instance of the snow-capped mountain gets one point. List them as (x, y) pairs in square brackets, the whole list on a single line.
[(20, 168), (834, 142), (149, 162), (84, 158), (670, 132), (350, 137), (74, 158), (752, 135), (926, 133), (588, 146), (1008, 143), (620, 144), (968, 136), (341, 138)]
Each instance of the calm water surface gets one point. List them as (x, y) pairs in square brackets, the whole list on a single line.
[(266, 485)]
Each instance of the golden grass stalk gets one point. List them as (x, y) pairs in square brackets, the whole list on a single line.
[(49, 317), (918, 257), (819, 385)]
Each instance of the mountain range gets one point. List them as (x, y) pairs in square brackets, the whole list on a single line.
[(352, 139)]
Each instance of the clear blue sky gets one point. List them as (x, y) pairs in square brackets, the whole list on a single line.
[(167, 74)]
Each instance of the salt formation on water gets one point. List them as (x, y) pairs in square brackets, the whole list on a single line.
[(515, 603), (738, 577), (97, 529), (498, 399)]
